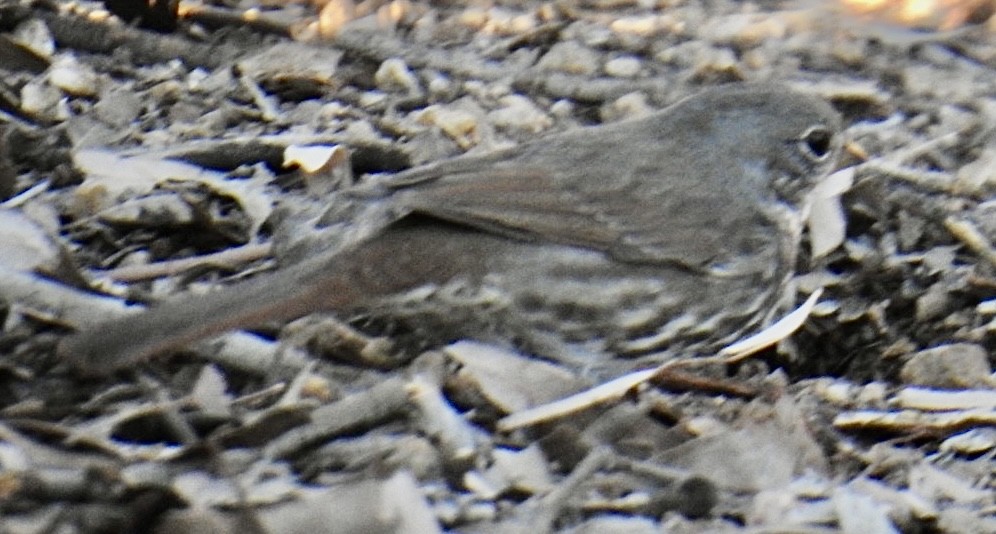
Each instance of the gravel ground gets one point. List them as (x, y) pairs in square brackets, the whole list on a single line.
[(141, 163)]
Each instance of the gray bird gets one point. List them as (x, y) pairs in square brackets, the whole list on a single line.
[(674, 231)]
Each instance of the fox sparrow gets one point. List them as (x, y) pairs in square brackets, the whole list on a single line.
[(679, 229)]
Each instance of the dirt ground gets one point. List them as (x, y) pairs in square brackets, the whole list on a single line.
[(145, 159)]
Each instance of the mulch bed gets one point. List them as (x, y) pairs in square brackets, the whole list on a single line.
[(145, 159)]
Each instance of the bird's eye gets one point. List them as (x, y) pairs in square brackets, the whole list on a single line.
[(816, 143)]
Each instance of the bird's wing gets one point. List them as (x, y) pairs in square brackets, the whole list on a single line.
[(634, 218)]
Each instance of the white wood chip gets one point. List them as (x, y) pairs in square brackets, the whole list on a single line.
[(780, 330), (612, 390)]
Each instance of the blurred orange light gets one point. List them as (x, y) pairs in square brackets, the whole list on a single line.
[(936, 14), (866, 6)]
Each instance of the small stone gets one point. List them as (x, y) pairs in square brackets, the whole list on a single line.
[(73, 77), (744, 30), (440, 86), (519, 113), (646, 26), (39, 98), (610, 524), (623, 67), (371, 99), (502, 22), (628, 106), (118, 107), (979, 175), (933, 303), (458, 124), (394, 75), (570, 57), (849, 51), (562, 108), (955, 366)]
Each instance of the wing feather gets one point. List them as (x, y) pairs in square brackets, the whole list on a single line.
[(632, 198), (627, 225)]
